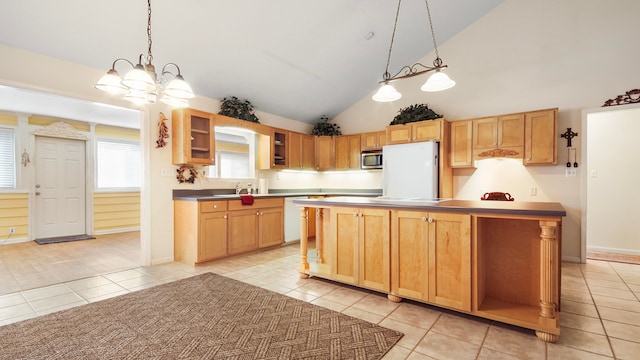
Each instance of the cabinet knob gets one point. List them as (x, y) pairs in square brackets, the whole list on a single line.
[(355, 214), (215, 206), (224, 217), (430, 220), (424, 218), (258, 213)]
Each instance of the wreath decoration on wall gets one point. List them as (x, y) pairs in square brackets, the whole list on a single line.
[(186, 174)]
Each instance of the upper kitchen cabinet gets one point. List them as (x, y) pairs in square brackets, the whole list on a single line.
[(501, 136), (347, 152), (540, 135), (301, 151), (192, 137), (414, 132), (273, 150), (373, 140), (460, 145), (324, 152)]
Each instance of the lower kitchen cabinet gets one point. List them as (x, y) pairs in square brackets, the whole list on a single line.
[(271, 226), (243, 231), (212, 243), (360, 250), (430, 257), (255, 226), (208, 230), (200, 230)]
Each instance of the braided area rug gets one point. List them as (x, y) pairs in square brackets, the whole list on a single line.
[(207, 316)]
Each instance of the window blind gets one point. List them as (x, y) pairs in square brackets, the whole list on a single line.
[(7, 158), (118, 164)]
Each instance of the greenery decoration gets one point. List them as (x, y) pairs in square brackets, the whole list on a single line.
[(325, 128), (239, 109), (416, 112)]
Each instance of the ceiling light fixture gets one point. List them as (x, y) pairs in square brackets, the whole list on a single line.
[(141, 84), (436, 82)]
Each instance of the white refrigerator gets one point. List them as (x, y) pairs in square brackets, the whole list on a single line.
[(410, 171)]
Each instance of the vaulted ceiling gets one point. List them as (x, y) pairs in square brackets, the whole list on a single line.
[(292, 58)]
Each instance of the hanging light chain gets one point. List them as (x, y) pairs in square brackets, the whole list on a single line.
[(386, 75), (149, 55), (437, 62)]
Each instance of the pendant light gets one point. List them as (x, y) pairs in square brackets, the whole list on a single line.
[(141, 84), (436, 82)]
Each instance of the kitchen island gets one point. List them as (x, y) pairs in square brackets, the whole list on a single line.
[(493, 259)]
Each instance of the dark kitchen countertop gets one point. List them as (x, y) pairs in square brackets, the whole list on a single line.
[(450, 205), (216, 194)]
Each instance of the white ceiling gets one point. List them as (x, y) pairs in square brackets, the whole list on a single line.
[(292, 58)]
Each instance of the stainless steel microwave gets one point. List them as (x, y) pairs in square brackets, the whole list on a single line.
[(371, 160)]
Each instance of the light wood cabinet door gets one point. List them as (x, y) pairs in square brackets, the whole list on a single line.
[(308, 152), (344, 247), (373, 249), (485, 133), (541, 133), (450, 260), (460, 145), (501, 136), (399, 134), (192, 137), (511, 132), (270, 227), (347, 152), (324, 152), (242, 231), (295, 150), (341, 155), (354, 151), (410, 254), (373, 140), (212, 240), (426, 130), (361, 246)]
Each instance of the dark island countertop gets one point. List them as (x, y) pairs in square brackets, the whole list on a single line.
[(552, 209), (213, 194)]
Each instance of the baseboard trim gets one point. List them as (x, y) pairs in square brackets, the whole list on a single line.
[(116, 231), (600, 249), (13, 241)]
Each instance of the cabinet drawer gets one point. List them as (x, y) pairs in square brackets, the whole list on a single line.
[(257, 202), (214, 205)]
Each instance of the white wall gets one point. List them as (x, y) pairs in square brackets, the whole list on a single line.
[(613, 199), (521, 56)]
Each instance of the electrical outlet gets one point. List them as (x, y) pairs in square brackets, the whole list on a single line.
[(533, 191), (12, 230), (571, 172)]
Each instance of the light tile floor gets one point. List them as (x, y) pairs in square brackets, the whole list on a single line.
[(600, 308)]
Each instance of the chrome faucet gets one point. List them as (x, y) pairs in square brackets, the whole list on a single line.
[(239, 188)]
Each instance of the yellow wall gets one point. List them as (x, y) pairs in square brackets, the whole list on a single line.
[(48, 120), (14, 212), (117, 133), (116, 210), (8, 120)]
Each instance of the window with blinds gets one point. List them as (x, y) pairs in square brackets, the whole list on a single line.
[(7, 158), (118, 164)]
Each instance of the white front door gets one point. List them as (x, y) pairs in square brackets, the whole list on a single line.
[(60, 187)]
